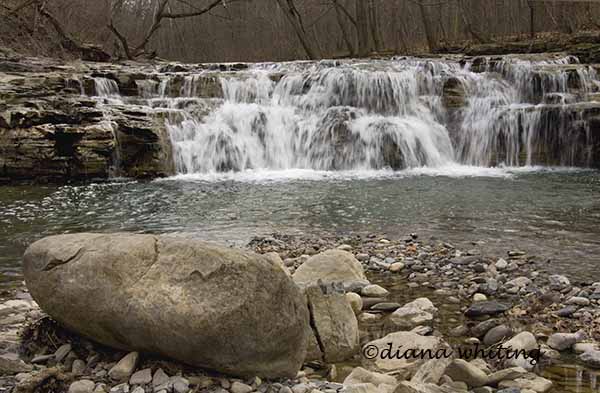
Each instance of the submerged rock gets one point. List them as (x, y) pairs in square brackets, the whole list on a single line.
[(231, 311), (486, 308)]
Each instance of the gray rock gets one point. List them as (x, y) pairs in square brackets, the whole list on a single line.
[(501, 264), (238, 387), (228, 310), (122, 388), (179, 385), (482, 328), (431, 371), (335, 324), (590, 359), (537, 384), (404, 368), (519, 282), (355, 302), (78, 367), (83, 386), (142, 377), (41, 358), (328, 266), (416, 313), (389, 307), (566, 312), (62, 352), (463, 371), (125, 367), (578, 301), (360, 388), (505, 374), (564, 341), (523, 341), (558, 282), (486, 308), (360, 375), (374, 291), (160, 378), (497, 334), (13, 366)]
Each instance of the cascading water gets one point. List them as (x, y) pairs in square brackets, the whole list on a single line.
[(346, 115)]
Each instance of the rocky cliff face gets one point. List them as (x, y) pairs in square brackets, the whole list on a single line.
[(50, 131)]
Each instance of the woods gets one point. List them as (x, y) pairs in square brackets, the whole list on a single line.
[(255, 30)]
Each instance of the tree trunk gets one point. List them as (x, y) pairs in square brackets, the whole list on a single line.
[(531, 19), (476, 35), (294, 18), (428, 29), (343, 28), (374, 24), (362, 27)]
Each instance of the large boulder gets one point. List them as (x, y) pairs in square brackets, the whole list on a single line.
[(205, 305), (329, 266)]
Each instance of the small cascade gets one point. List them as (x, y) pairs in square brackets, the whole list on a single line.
[(377, 114), (106, 88)]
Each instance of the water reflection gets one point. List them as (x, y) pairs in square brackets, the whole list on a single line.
[(553, 214)]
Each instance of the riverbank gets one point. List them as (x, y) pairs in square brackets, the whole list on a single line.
[(475, 299)]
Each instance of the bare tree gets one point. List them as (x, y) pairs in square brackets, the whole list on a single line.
[(374, 25), (341, 15), (295, 19), (162, 12), (362, 27), (429, 34)]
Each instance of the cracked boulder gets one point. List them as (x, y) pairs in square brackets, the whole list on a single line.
[(209, 306), (334, 325)]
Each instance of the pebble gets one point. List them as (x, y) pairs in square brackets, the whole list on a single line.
[(566, 312), (558, 282), (479, 297), (180, 384), (564, 341), (389, 307), (78, 367), (374, 291), (62, 352), (83, 386), (238, 387), (486, 308), (125, 367), (590, 358), (160, 378), (579, 301), (396, 267), (355, 301), (142, 377), (501, 264), (497, 334), (463, 371), (369, 317), (41, 358)]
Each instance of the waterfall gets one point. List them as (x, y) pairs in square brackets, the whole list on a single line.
[(377, 114)]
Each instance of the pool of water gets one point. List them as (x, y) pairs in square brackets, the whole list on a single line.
[(552, 213)]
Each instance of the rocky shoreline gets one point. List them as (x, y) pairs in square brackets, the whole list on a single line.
[(495, 299)]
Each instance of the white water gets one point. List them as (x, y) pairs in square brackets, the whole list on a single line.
[(358, 118)]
